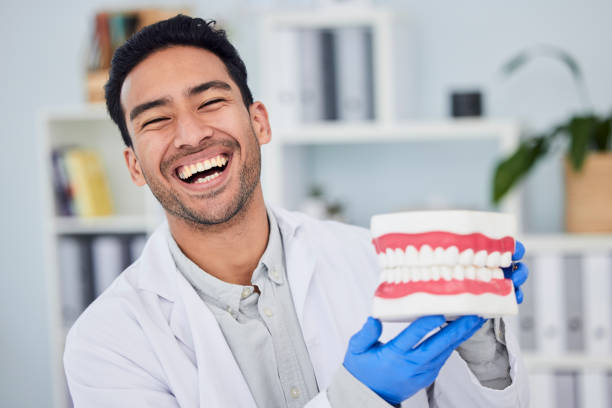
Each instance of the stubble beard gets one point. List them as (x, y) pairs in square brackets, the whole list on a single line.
[(202, 219)]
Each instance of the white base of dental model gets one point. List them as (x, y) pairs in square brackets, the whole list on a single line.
[(443, 262), (410, 307)]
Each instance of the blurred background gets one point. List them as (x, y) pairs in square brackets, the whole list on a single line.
[(376, 106)]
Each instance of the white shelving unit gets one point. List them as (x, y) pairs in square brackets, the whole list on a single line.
[(569, 361), (285, 165), (296, 148), (136, 212)]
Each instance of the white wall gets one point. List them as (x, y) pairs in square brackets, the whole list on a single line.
[(460, 46)]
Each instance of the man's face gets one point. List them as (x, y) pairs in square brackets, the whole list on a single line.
[(194, 142)]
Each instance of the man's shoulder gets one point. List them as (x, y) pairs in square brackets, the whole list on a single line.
[(113, 308), (310, 225), (132, 297)]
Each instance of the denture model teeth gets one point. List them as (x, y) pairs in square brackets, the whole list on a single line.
[(443, 262)]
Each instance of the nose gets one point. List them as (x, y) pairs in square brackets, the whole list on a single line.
[(190, 131)]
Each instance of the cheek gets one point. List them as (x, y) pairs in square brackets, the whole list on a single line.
[(150, 156)]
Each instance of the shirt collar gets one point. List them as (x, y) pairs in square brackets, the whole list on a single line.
[(229, 295), (272, 258)]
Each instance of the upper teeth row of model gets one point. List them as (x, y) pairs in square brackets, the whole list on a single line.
[(440, 256), (186, 171), (458, 272)]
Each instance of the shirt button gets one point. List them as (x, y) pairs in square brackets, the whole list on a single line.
[(268, 312), (274, 273), (246, 292), (295, 392)]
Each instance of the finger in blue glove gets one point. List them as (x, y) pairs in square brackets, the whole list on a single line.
[(519, 251), (518, 271), (404, 365)]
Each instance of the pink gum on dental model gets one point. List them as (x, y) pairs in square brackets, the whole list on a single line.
[(435, 239)]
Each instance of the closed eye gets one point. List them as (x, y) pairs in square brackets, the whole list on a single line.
[(153, 121), (208, 103)]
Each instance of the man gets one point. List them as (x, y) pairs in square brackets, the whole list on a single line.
[(234, 304)]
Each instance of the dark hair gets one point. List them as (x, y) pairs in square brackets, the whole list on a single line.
[(178, 30)]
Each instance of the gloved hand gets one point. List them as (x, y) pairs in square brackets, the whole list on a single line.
[(518, 271), (396, 370)]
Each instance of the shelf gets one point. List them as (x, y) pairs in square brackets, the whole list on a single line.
[(77, 113), (571, 361), (563, 243), (333, 16), (122, 224), (376, 132)]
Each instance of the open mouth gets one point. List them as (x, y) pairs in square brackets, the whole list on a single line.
[(203, 171)]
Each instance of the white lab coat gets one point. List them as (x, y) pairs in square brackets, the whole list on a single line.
[(149, 340)]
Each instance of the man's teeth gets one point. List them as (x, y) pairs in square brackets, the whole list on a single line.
[(207, 178), (427, 256), (436, 273), (188, 170)]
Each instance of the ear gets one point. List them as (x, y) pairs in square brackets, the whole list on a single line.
[(134, 166), (260, 122)]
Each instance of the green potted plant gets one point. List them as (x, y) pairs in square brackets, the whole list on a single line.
[(588, 162)]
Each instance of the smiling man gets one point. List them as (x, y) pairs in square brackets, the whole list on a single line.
[(237, 304)]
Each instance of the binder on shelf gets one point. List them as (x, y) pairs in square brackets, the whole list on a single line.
[(136, 245), (75, 280), (593, 390), (566, 390), (329, 74), (542, 390), (548, 296), (573, 299), (354, 74), (284, 80), (310, 68), (526, 316), (107, 260), (597, 270)]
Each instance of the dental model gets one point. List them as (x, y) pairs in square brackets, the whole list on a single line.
[(443, 262)]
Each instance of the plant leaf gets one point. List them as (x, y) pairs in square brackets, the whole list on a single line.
[(515, 63), (571, 64), (511, 170), (580, 130), (601, 134)]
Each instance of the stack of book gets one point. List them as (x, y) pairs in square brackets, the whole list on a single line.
[(111, 30), (322, 75), (80, 183)]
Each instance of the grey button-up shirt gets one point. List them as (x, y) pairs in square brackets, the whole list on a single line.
[(263, 332)]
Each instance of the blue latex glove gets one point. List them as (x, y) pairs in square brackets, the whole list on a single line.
[(518, 271), (396, 370)]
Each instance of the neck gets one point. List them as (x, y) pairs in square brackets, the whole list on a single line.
[(228, 251)]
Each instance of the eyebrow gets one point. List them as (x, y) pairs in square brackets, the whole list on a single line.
[(146, 106), (208, 85), (198, 89)]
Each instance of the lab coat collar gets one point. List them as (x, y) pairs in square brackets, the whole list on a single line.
[(161, 276), (193, 324), (162, 280), (299, 257), (156, 257)]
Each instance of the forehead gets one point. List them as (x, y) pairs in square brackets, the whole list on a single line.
[(169, 72)]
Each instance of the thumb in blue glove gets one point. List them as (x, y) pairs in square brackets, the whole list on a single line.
[(518, 271), (397, 369)]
